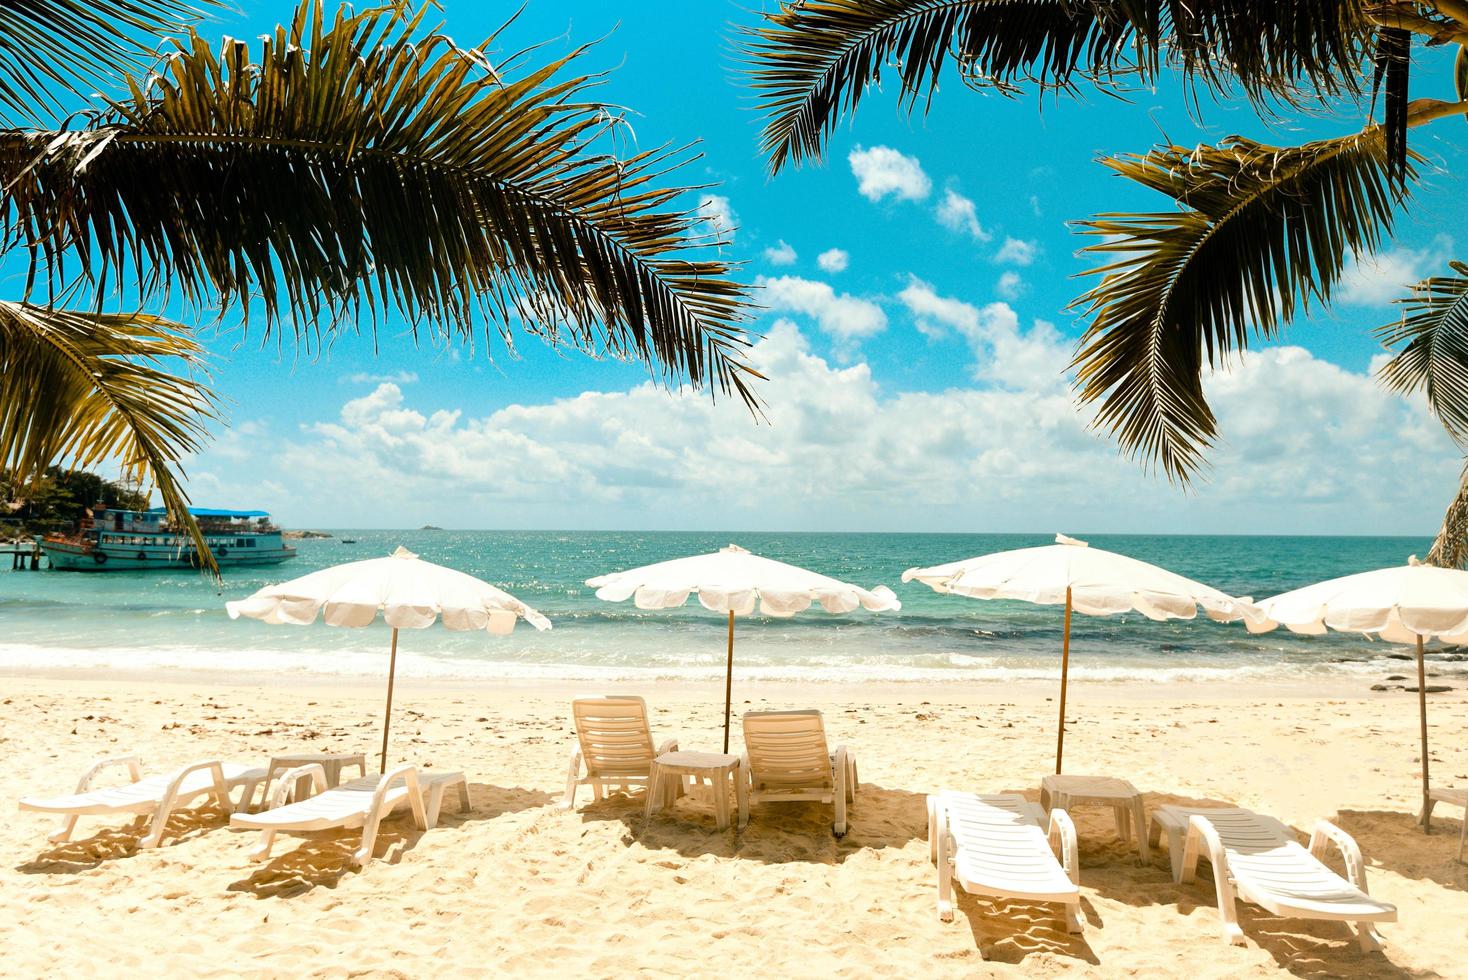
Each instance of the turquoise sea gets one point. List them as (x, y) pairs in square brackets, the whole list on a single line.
[(143, 620)]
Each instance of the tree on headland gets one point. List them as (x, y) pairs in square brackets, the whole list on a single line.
[(1257, 233), (63, 497), (351, 167)]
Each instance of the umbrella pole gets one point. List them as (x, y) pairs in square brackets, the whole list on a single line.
[(728, 682), (1064, 677), (392, 669), (1422, 714)]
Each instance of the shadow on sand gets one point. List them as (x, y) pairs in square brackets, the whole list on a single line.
[(777, 833), (114, 843), (1395, 841), (323, 858)]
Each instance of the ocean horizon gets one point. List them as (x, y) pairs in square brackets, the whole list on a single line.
[(177, 620)]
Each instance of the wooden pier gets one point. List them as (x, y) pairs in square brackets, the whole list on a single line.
[(24, 555)]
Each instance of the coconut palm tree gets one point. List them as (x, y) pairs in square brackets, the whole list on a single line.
[(1257, 233), (348, 168)]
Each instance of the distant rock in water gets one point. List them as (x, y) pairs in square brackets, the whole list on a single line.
[(430, 527), (298, 535)]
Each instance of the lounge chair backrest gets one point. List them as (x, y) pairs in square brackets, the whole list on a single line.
[(787, 748), (614, 735)]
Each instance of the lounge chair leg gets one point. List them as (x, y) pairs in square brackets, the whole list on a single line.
[(62, 833), (434, 804), (569, 800), (945, 873), (1184, 853), (1119, 816), (261, 851), (840, 775), (464, 806), (1368, 937), (933, 829), (1073, 919)]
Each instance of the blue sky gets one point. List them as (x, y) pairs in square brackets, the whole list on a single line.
[(917, 371)]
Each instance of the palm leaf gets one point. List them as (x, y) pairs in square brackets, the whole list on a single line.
[(1393, 66), (365, 166), (77, 44), (1450, 547), (1262, 231), (92, 388), (1433, 337), (813, 60)]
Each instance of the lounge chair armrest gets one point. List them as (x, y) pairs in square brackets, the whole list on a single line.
[(407, 773), (215, 768), (133, 763), (1200, 829), (671, 745), (285, 786), (1063, 841), (1328, 833)]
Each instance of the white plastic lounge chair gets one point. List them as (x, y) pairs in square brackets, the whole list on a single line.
[(614, 743), (993, 844), (360, 803), (1453, 797), (159, 795), (1257, 858), (786, 759)]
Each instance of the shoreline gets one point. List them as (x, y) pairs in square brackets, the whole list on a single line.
[(1027, 691)]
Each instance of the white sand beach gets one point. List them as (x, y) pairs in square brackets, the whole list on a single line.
[(522, 886)]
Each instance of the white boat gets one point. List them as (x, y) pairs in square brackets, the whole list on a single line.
[(114, 540)]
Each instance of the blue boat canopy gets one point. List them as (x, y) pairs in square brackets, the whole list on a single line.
[(213, 512)]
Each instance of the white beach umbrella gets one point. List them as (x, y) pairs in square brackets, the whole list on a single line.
[(409, 592), (1409, 603), (733, 581), (1086, 579)]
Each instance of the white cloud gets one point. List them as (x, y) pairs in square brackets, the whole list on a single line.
[(719, 219), (780, 254), (1004, 353), (883, 171), (957, 213), (366, 378), (833, 260), (846, 318), (1011, 285), (1377, 280), (1016, 251), (840, 450)]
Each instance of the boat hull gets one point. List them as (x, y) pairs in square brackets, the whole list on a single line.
[(122, 558)]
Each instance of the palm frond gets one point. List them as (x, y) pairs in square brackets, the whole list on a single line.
[(1450, 547), (813, 60), (1393, 67), (1433, 337), (94, 388), (1262, 230), (366, 165), (76, 44)]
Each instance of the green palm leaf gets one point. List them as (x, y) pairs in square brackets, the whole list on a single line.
[(92, 388), (1433, 337), (1262, 231), (76, 44), (814, 60), (364, 166)]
